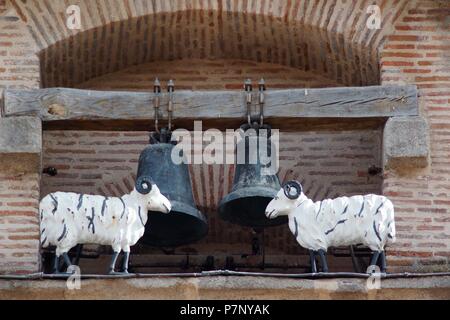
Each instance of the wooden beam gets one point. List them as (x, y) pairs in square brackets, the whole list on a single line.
[(60, 105), (2, 104)]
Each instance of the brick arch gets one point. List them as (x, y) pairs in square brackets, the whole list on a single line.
[(326, 37)]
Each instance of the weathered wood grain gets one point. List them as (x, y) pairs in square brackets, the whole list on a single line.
[(63, 104), (2, 103)]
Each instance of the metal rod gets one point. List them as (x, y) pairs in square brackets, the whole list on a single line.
[(170, 89), (41, 275), (185, 264), (156, 102), (248, 91), (262, 88), (2, 104)]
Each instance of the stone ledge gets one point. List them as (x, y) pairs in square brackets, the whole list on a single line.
[(228, 287), (20, 144), (405, 143)]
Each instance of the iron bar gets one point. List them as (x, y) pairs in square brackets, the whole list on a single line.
[(262, 88), (312, 276), (248, 91), (170, 89), (156, 102), (2, 104)]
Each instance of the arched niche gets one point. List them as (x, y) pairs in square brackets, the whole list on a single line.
[(209, 35)]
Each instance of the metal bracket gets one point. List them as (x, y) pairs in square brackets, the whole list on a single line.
[(157, 101), (262, 88), (248, 98), (170, 89)]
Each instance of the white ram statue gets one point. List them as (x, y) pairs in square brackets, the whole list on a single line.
[(367, 220), (68, 219)]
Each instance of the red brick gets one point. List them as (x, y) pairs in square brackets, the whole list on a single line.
[(23, 230), (416, 70), (233, 86), (406, 38), (26, 237), (432, 79), (432, 47), (24, 213), (409, 253), (402, 54), (419, 19), (17, 246), (401, 194), (22, 204), (429, 228), (442, 254), (399, 46), (415, 27), (398, 63), (432, 245), (442, 202), (416, 11)]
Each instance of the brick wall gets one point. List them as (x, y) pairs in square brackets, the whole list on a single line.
[(197, 74), (419, 53), (19, 223), (19, 193), (19, 64), (326, 37), (2, 6)]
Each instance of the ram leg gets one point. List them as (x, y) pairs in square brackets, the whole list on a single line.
[(79, 250), (312, 258), (383, 262), (56, 264), (375, 256), (112, 265), (126, 258), (67, 259), (323, 260)]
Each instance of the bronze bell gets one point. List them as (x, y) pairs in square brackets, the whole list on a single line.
[(252, 191), (185, 223)]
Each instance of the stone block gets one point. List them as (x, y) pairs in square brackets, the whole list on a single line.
[(406, 143), (20, 144)]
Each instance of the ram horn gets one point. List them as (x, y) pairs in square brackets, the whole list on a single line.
[(288, 186), (144, 184)]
